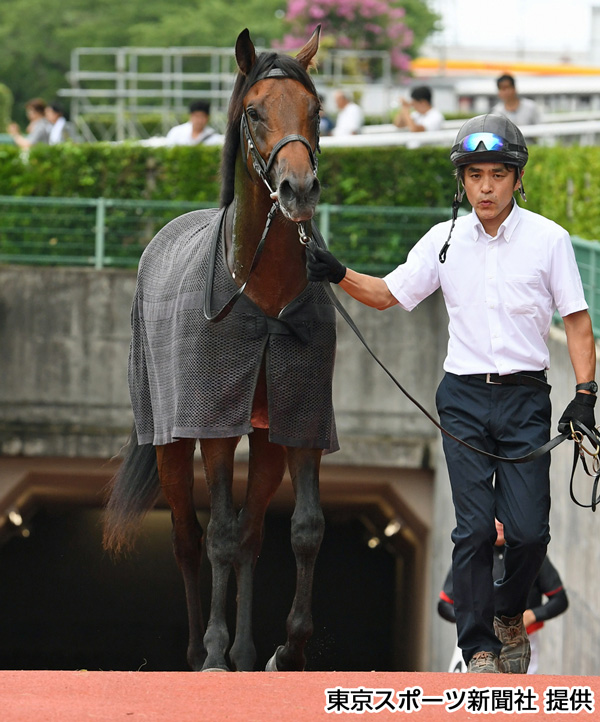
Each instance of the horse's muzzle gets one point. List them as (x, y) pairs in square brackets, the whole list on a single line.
[(298, 198)]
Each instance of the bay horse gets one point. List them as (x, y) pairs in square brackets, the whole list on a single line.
[(262, 365)]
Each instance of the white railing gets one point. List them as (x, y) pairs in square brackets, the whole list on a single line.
[(584, 132)]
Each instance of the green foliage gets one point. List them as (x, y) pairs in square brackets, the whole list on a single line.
[(561, 183), (6, 103), (421, 20), (564, 185), (37, 36)]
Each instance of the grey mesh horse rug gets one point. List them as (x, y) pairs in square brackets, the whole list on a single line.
[(193, 378)]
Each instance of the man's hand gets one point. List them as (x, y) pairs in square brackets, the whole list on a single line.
[(580, 409), (322, 265), (528, 617)]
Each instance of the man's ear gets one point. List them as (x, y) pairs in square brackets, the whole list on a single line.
[(519, 176)]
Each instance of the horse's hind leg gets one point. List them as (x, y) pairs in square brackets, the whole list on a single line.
[(308, 526), (222, 539), (176, 474), (265, 472)]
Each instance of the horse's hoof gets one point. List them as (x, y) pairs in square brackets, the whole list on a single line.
[(215, 669), (272, 663)]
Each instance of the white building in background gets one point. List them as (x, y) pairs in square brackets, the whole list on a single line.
[(463, 77)]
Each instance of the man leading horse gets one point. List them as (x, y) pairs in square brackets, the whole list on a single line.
[(503, 272)]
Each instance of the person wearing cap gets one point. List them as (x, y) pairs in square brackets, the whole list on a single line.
[(503, 272), (196, 131)]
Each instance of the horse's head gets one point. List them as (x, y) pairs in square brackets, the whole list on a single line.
[(279, 125)]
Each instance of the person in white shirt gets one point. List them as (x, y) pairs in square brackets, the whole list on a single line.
[(61, 129), (350, 118), (197, 130), (522, 111), (503, 271), (418, 114)]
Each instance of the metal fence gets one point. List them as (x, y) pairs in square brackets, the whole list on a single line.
[(587, 254), (102, 232)]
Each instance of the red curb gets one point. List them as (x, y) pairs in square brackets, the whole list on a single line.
[(49, 696)]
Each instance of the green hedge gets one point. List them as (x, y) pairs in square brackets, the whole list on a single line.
[(561, 183)]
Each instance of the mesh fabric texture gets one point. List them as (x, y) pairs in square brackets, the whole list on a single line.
[(193, 378)]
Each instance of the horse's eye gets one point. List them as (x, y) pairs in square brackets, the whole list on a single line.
[(252, 114)]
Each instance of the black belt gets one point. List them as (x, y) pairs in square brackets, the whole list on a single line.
[(537, 376), (521, 378)]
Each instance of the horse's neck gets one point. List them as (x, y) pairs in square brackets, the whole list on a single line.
[(280, 274)]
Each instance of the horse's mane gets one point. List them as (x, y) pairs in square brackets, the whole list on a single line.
[(264, 62)]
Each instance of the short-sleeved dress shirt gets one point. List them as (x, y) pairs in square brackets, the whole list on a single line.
[(500, 293)]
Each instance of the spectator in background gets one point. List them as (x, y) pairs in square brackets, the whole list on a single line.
[(350, 118), (196, 131), (62, 130), (418, 114), (522, 111), (38, 129), (325, 122), (547, 584)]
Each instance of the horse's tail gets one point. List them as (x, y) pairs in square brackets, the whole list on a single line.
[(132, 492)]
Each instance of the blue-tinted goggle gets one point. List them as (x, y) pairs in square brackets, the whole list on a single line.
[(490, 141)]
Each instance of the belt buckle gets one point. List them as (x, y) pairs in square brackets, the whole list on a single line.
[(494, 383)]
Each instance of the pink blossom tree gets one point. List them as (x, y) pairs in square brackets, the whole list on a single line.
[(360, 25)]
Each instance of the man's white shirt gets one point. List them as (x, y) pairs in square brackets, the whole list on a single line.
[(501, 293), (182, 135), (349, 120)]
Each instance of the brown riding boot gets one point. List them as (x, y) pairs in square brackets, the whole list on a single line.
[(484, 662), (516, 650)]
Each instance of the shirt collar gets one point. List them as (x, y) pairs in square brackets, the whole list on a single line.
[(507, 227)]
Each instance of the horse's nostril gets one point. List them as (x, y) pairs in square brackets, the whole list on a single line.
[(290, 190)]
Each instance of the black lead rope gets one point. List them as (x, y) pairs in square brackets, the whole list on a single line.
[(220, 315), (578, 433)]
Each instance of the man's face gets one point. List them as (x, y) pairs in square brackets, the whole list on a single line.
[(421, 106), (489, 188), (51, 114), (506, 91), (199, 119), (340, 100)]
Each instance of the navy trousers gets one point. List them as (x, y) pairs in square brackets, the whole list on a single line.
[(507, 421)]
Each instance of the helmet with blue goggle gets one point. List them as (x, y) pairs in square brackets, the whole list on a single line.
[(486, 139), (489, 139)]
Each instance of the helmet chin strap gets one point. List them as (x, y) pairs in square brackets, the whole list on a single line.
[(522, 190), (458, 196)]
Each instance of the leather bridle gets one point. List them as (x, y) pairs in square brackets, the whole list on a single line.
[(262, 168)]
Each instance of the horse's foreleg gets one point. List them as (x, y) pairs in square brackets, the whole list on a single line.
[(265, 472), (308, 526), (222, 541), (176, 474)]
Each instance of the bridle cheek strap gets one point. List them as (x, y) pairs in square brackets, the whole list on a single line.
[(263, 168)]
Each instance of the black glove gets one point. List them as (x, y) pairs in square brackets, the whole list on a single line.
[(322, 265), (580, 409)]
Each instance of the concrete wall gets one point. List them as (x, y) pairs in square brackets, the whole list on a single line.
[(64, 337), (64, 340)]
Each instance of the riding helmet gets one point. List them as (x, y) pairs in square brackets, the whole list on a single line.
[(488, 139)]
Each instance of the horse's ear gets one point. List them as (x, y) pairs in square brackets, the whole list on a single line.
[(307, 53), (245, 54)]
